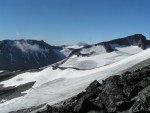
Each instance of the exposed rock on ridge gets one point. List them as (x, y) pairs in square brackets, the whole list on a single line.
[(135, 40)]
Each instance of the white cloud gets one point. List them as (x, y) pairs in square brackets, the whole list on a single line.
[(35, 38), (25, 47), (17, 34)]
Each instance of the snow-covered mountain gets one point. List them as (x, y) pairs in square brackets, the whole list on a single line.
[(101, 54), (57, 82), (138, 40), (27, 54)]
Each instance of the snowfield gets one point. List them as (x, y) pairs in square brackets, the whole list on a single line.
[(74, 46), (97, 49), (1, 71), (53, 86), (68, 49), (101, 58)]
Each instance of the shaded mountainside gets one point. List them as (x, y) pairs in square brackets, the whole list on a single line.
[(27, 54), (109, 46), (128, 93), (135, 40)]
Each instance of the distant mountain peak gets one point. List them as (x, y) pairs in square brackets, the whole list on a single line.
[(82, 44), (109, 46), (134, 40), (27, 54)]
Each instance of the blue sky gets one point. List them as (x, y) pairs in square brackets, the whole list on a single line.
[(72, 21)]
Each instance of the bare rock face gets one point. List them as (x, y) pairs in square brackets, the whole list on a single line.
[(128, 93), (135, 40), (27, 54), (86, 102), (142, 104)]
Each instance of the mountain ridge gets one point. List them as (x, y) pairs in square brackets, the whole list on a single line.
[(27, 54), (134, 40)]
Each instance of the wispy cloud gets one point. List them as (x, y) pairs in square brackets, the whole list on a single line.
[(35, 38), (25, 47), (17, 34)]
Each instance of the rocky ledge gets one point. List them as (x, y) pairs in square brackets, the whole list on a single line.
[(126, 93)]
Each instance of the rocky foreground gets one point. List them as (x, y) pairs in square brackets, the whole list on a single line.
[(128, 93)]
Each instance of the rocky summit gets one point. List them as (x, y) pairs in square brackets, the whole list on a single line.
[(126, 93), (27, 54), (135, 40)]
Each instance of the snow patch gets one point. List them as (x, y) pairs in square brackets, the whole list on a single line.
[(2, 101), (100, 60), (66, 51), (115, 46), (1, 71), (74, 47), (97, 49)]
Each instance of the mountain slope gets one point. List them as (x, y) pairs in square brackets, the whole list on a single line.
[(105, 53), (27, 54), (109, 46), (52, 86), (64, 79)]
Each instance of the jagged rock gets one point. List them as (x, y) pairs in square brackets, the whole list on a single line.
[(49, 108), (126, 111), (112, 92), (95, 85), (142, 104), (98, 102), (79, 96), (60, 109), (131, 91), (117, 94), (126, 73), (114, 80), (137, 70), (124, 105), (145, 67), (84, 104), (93, 111), (144, 83), (133, 78), (127, 90)]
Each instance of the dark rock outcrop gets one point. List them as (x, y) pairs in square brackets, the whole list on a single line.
[(142, 104), (128, 93), (136, 40), (27, 54), (8, 93)]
